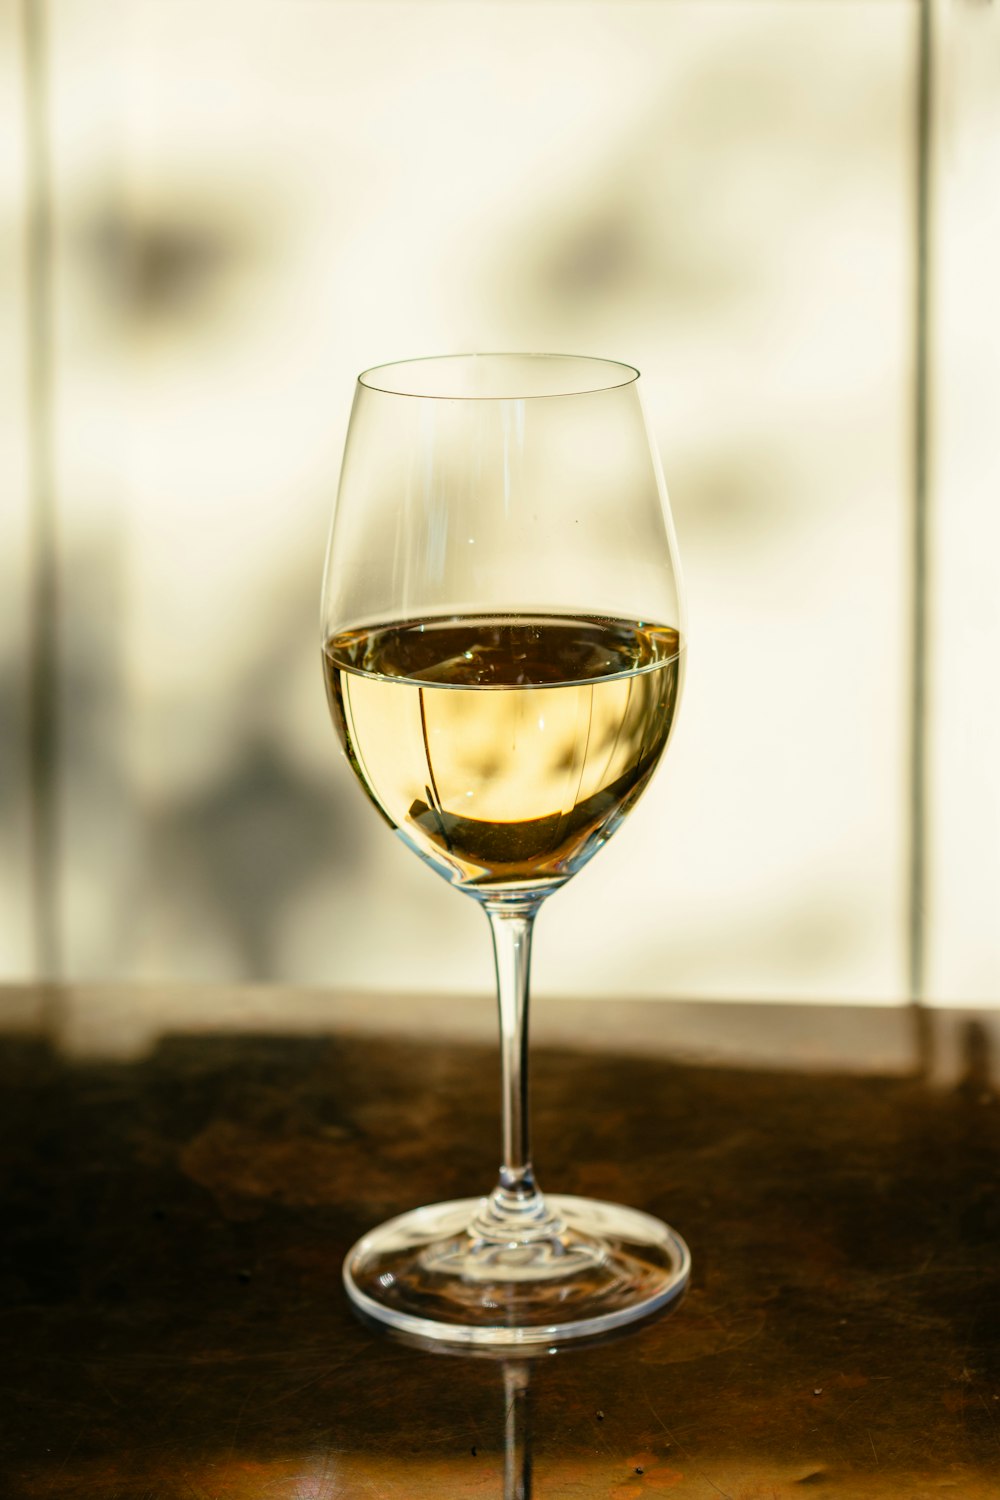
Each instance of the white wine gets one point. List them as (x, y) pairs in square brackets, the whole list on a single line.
[(504, 750)]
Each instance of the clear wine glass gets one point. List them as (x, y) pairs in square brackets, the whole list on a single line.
[(503, 651)]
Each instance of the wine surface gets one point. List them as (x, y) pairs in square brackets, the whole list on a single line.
[(504, 750)]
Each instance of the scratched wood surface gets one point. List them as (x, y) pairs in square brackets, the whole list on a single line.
[(172, 1323)]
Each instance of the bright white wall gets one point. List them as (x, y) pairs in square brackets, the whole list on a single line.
[(255, 201), (964, 894)]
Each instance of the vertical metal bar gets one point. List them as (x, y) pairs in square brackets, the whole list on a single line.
[(917, 925), (43, 718)]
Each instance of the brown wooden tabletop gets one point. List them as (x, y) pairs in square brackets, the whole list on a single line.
[(183, 1171)]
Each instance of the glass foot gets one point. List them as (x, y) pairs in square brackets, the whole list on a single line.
[(596, 1266)]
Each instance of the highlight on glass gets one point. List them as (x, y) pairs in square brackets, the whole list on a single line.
[(503, 648)]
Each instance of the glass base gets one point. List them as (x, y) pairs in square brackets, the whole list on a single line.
[(595, 1267)]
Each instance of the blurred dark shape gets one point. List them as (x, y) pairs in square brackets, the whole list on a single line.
[(232, 853), (924, 1049), (170, 264), (13, 737), (259, 833), (597, 257), (740, 497), (246, 846), (607, 250), (976, 1082)]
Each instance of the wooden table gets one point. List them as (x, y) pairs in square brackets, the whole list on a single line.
[(183, 1171)]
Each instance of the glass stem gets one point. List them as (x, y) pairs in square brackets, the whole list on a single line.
[(515, 1208)]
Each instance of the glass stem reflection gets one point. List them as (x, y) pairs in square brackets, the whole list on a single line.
[(517, 1436), (515, 1208)]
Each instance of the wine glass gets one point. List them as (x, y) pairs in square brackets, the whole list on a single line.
[(503, 652)]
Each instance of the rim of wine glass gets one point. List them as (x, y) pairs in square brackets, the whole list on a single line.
[(626, 375)]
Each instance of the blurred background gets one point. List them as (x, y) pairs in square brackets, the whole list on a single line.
[(787, 215)]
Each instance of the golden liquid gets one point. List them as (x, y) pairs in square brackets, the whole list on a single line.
[(505, 751)]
